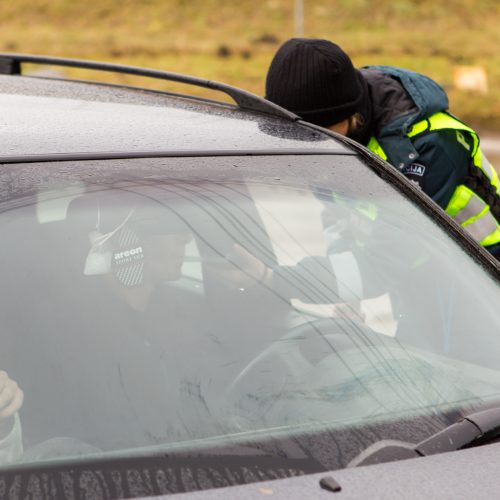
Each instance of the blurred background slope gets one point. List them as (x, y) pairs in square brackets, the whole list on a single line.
[(454, 41)]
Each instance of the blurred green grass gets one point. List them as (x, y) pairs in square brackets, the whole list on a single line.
[(234, 41)]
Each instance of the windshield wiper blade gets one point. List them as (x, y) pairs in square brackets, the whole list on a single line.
[(473, 430)]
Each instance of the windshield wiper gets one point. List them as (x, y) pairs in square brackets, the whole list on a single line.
[(473, 430)]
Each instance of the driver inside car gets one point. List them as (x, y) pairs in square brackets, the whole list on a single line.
[(112, 332), (125, 329)]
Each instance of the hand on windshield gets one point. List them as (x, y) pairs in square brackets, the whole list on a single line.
[(11, 400)]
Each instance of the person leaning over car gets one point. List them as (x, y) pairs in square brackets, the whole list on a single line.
[(399, 115)]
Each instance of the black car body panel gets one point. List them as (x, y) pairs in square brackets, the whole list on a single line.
[(86, 133)]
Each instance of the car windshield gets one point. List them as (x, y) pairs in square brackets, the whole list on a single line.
[(151, 305)]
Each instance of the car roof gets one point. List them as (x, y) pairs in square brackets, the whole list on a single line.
[(46, 116)]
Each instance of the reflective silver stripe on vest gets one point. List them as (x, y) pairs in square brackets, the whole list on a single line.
[(473, 208), (486, 166), (482, 227), (349, 281)]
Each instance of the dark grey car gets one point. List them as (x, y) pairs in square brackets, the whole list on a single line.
[(198, 295)]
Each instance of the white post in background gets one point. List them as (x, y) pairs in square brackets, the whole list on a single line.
[(299, 18)]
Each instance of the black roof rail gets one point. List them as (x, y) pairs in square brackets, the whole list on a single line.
[(10, 64)]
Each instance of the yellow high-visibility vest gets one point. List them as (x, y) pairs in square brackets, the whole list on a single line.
[(466, 206)]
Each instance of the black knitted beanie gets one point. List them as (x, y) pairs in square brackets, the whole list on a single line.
[(316, 80)]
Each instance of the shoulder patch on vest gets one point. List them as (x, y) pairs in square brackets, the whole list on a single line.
[(414, 169), (415, 173)]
